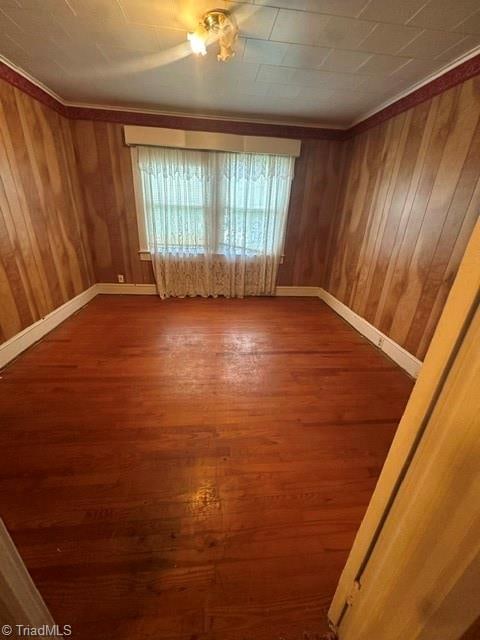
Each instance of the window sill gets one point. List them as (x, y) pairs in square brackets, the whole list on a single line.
[(145, 256)]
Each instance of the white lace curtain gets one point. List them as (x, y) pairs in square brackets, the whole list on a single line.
[(215, 221)]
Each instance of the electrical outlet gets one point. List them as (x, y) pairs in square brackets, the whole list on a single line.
[(121, 277)]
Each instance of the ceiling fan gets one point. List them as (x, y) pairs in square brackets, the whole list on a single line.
[(215, 26)]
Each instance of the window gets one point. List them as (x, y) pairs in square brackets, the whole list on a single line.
[(214, 202)]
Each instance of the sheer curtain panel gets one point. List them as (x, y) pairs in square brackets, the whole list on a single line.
[(215, 221)]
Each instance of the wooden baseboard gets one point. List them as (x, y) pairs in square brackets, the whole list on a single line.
[(398, 354), (116, 288), (150, 289), (26, 338), (311, 292)]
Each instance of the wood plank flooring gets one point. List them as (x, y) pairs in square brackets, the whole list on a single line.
[(194, 469)]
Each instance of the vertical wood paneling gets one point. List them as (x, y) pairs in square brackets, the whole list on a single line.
[(410, 198), (44, 260), (105, 171), (312, 203)]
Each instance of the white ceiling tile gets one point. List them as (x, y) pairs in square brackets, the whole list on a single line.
[(358, 102), (470, 25), (430, 44), (389, 38), (99, 9), (469, 43), (34, 22), (348, 8), (282, 90), (168, 38), (314, 28), (242, 89), (264, 51), (310, 77), (301, 55), (322, 94), (9, 27), (57, 8), (136, 37), (345, 32), (299, 27), (416, 68), (379, 64), (344, 61), (83, 27), (11, 50), (55, 70), (268, 73), (179, 74), (166, 13), (74, 59), (396, 11), (442, 14), (382, 86), (344, 81), (210, 64), (132, 57), (298, 5), (253, 21), (306, 77), (226, 74)]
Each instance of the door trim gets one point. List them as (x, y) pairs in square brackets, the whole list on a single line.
[(454, 321)]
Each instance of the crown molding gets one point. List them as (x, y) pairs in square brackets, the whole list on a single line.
[(31, 86), (26, 83), (433, 76), (201, 123), (462, 69), (205, 116), (449, 76)]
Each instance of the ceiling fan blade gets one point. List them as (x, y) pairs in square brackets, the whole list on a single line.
[(141, 63), (242, 13)]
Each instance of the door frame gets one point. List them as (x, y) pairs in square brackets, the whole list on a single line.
[(450, 332), (20, 600)]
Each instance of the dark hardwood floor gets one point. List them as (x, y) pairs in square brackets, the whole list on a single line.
[(194, 469)]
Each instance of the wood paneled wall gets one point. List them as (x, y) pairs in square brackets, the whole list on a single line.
[(312, 202), (105, 171), (44, 255), (106, 175), (409, 200)]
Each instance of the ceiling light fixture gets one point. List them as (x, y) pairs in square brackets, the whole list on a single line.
[(198, 40), (220, 25)]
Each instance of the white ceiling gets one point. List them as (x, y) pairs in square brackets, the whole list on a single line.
[(322, 61)]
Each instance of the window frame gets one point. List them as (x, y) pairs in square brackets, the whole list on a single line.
[(143, 249), (143, 243)]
